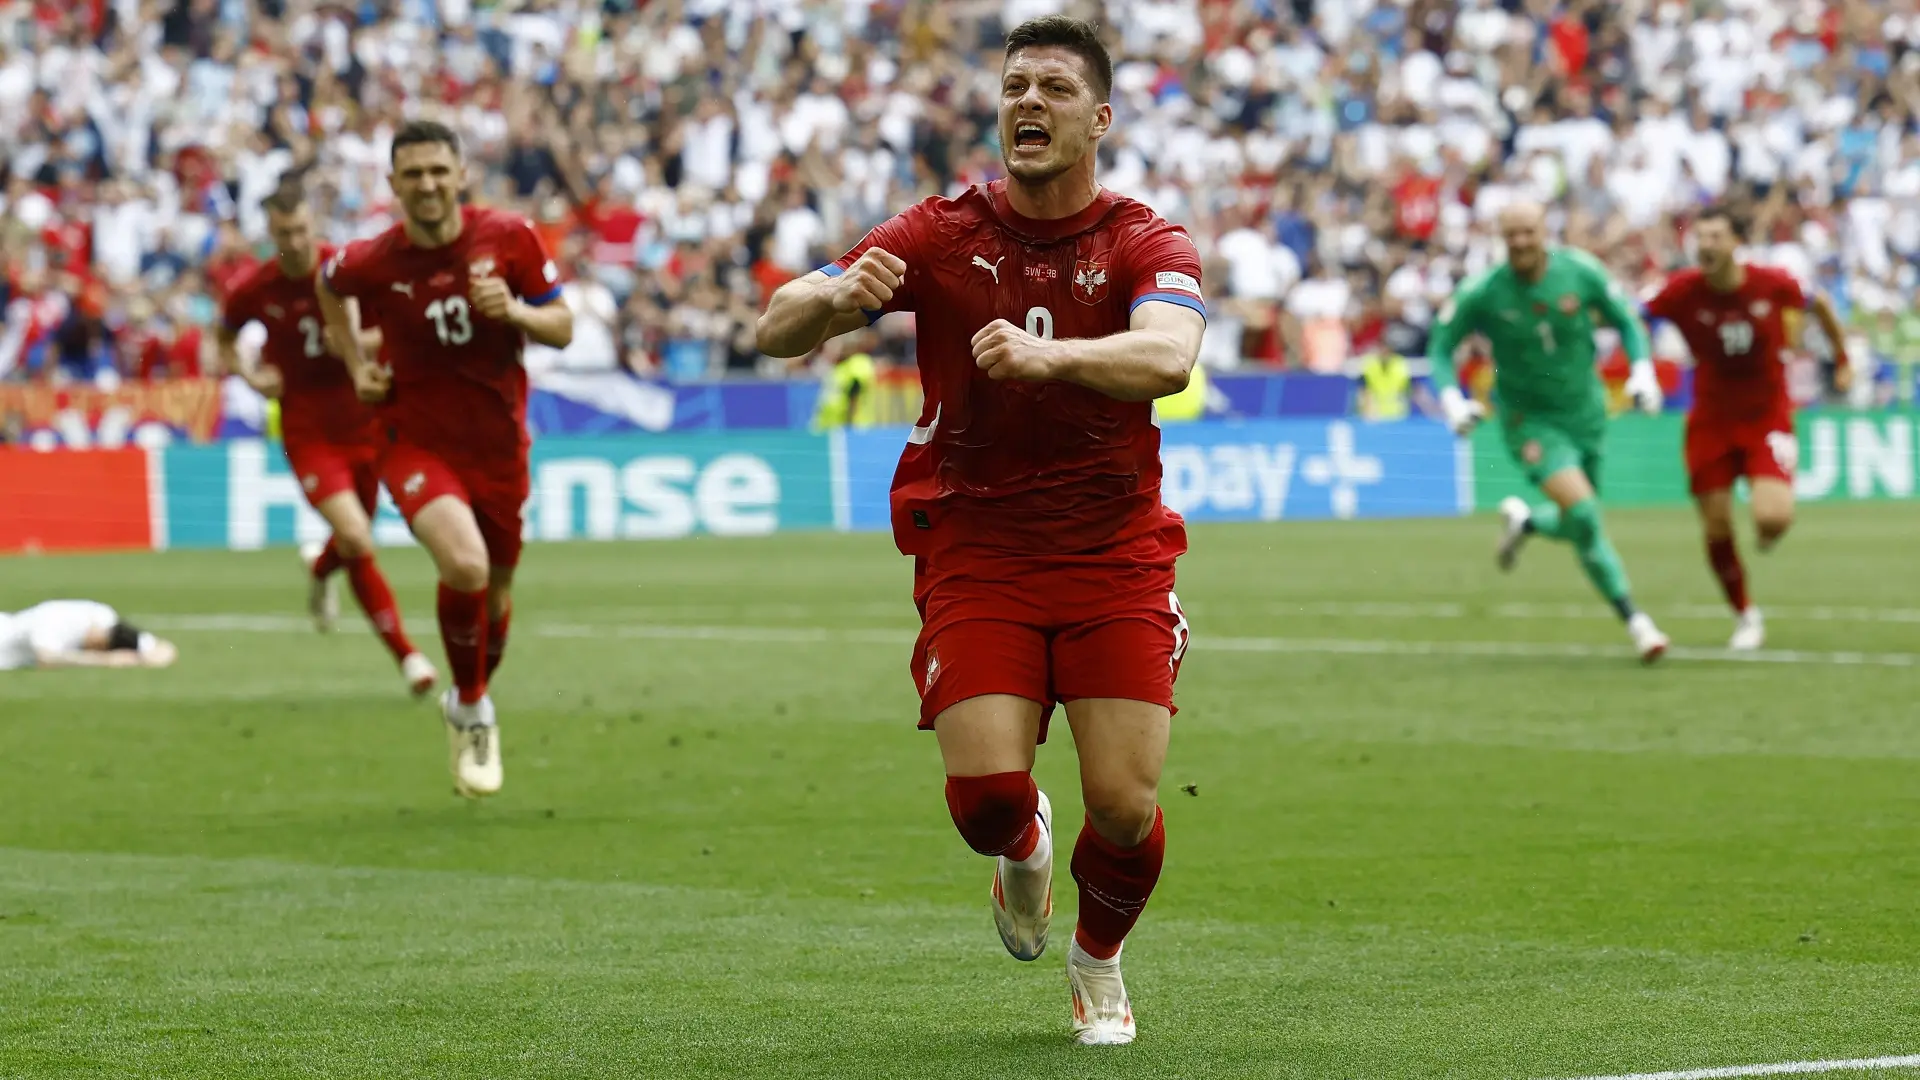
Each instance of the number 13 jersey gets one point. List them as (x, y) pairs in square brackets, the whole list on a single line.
[(459, 389)]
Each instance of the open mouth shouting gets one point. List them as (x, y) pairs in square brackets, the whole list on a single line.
[(1030, 135)]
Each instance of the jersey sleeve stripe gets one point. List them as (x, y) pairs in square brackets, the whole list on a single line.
[(1170, 298), (545, 298)]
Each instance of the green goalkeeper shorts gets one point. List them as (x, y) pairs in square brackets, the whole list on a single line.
[(1541, 447)]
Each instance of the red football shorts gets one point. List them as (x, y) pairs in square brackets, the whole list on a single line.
[(327, 469), (1050, 631), (1720, 454), (496, 493)]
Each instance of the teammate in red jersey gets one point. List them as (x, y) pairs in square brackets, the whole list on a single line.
[(456, 293), (1051, 314), (330, 436), (1732, 315)]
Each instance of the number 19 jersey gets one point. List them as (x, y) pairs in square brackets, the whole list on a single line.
[(1025, 468), (1736, 339), (459, 389)]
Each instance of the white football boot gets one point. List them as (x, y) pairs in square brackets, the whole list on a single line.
[(420, 674), (1102, 1015), (323, 602), (473, 745), (1648, 641), (1749, 631), (1513, 534), (1023, 896)]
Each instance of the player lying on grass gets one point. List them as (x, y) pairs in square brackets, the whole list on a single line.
[(1535, 311), (77, 633), (1051, 314), (331, 437), (1734, 318), (455, 291)]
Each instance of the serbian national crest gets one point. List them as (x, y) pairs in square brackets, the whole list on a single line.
[(1569, 304), (481, 267), (1090, 280)]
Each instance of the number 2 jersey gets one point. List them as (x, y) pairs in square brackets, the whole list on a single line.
[(1024, 468), (1736, 339), (459, 390), (318, 404)]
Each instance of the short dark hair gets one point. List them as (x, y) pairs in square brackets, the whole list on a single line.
[(1077, 36), (1722, 212), (287, 197), (423, 133), (124, 637)]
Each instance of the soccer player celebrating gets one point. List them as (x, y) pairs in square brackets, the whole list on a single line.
[(331, 437), (456, 291), (1536, 312), (1741, 423), (1051, 313)]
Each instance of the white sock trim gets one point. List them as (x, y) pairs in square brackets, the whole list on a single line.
[(1042, 851)]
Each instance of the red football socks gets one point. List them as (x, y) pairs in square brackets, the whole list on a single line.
[(463, 630), (328, 560), (1724, 557), (376, 599), (995, 813), (1114, 885), (497, 640)]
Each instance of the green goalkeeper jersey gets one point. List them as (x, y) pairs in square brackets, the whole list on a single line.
[(1542, 335)]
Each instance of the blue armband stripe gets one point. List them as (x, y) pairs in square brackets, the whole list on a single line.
[(1181, 299)]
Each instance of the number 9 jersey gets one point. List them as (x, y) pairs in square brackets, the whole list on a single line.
[(1036, 469), (459, 390)]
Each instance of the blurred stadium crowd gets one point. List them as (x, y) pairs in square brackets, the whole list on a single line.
[(1339, 162)]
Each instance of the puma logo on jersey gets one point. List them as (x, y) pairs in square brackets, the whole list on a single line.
[(413, 485), (275, 311), (404, 287), (990, 267)]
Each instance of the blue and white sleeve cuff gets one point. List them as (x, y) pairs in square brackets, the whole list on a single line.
[(1181, 299)]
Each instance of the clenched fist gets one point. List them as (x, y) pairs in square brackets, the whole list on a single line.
[(372, 383), (1004, 351), (492, 298), (869, 283)]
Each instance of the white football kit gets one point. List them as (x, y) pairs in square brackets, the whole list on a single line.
[(55, 626)]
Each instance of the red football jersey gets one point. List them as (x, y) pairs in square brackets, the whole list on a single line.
[(459, 389), (318, 404), (1736, 339), (1018, 467)]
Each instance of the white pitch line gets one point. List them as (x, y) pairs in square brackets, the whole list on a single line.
[(1370, 609), (1574, 650), (1784, 1068), (822, 635)]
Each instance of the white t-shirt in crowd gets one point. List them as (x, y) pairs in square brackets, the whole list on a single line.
[(55, 626), (1257, 267)]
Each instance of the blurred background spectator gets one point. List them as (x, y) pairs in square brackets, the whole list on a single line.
[(1338, 163)]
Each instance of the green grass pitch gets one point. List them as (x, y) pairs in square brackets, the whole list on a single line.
[(1443, 825)]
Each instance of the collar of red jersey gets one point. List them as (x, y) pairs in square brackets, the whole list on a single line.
[(1037, 229)]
